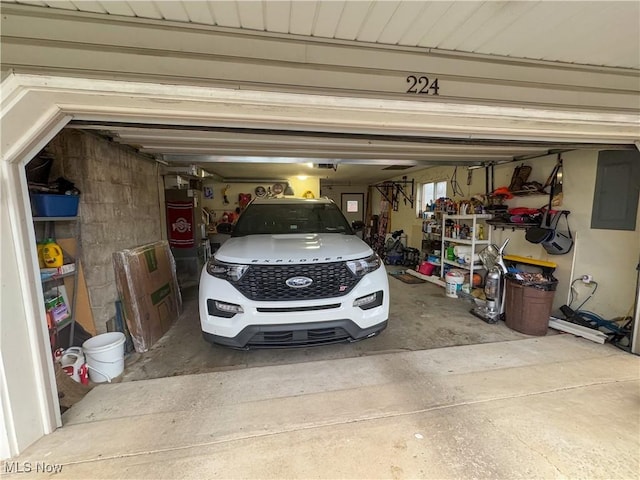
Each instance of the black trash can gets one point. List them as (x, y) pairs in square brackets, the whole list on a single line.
[(528, 304)]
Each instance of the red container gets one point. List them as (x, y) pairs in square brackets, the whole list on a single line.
[(426, 268)]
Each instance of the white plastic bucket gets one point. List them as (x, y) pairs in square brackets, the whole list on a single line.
[(105, 356), (453, 283)]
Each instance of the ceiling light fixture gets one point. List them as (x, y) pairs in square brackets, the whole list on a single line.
[(302, 177)]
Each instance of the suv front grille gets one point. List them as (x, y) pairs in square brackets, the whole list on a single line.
[(299, 338), (267, 282)]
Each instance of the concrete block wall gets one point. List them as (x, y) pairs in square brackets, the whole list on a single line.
[(119, 205)]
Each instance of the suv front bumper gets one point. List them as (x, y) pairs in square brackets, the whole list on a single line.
[(293, 323), (297, 334)]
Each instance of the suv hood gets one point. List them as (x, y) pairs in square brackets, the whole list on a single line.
[(293, 248)]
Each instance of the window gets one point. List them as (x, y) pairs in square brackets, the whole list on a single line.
[(429, 193), (282, 218)]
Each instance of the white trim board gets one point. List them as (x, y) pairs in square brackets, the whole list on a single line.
[(588, 333), (63, 42)]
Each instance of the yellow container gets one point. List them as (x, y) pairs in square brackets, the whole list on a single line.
[(52, 254), (40, 259)]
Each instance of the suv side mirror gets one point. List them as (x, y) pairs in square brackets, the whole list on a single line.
[(357, 225), (224, 228)]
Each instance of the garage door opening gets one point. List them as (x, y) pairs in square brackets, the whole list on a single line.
[(128, 183)]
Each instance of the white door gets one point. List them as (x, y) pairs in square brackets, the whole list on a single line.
[(352, 205)]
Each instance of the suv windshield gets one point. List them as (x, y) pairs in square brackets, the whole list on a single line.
[(282, 218)]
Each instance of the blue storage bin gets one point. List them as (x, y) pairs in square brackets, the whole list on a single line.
[(51, 205)]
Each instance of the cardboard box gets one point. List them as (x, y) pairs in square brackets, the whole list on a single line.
[(148, 288)]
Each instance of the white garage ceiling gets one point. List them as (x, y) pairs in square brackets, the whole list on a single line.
[(593, 33)]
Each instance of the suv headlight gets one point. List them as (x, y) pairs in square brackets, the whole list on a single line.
[(365, 265), (227, 271)]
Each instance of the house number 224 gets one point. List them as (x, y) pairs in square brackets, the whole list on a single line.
[(422, 85)]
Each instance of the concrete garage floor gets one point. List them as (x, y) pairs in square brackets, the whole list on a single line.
[(421, 317), (549, 407), (440, 394)]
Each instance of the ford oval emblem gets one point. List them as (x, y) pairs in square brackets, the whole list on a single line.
[(298, 282)]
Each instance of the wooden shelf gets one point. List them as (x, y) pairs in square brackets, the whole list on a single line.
[(429, 278)]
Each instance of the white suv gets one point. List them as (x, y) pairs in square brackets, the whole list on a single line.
[(293, 273)]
